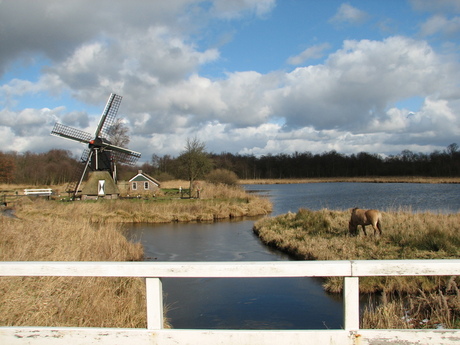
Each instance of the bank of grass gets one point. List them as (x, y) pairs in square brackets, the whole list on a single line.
[(55, 230), (323, 235), (69, 301), (216, 202)]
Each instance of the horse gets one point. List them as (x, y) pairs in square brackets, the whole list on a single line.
[(363, 218)]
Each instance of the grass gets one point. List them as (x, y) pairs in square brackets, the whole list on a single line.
[(440, 309), (323, 235), (217, 202), (53, 230), (69, 301)]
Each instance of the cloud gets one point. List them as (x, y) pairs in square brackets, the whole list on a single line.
[(349, 14), (237, 8), (447, 6), (151, 56), (55, 28), (441, 24), (357, 83), (313, 52)]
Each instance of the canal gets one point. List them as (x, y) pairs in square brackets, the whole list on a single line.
[(270, 303)]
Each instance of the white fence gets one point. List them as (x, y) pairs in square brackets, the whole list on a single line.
[(38, 192), (154, 271)]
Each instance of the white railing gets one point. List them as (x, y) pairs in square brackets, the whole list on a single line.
[(38, 192), (155, 334)]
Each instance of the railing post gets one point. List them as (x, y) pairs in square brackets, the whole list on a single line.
[(154, 296), (351, 303)]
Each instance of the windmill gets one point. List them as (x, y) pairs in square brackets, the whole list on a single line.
[(100, 156)]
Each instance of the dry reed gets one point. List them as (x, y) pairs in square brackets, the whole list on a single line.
[(68, 301), (51, 230), (216, 202), (417, 301)]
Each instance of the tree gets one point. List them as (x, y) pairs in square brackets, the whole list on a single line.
[(118, 134), (7, 168), (194, 161)]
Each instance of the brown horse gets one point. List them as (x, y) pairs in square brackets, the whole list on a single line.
[(363, 218)]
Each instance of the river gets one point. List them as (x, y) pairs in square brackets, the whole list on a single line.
[(270, 303)]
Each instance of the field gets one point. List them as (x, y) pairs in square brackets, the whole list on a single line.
[(56, 230), (61, 301), (323, 235)]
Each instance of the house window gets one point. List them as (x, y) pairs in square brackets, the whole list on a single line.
[(146, 185), (134, 185)]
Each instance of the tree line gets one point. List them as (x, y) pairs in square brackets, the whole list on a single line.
[(58, 166)]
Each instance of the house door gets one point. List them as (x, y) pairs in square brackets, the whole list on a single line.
[(101, 188)]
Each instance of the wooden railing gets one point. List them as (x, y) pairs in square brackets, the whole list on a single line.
[(155, 334)]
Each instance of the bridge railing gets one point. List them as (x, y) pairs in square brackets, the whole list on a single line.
[(153, 272)]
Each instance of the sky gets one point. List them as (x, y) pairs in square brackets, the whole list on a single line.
[(249, 77)]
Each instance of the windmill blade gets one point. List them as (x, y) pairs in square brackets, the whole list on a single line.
[(71, 133), (108, 116), (126, 158), (123, 155), (115, 148)]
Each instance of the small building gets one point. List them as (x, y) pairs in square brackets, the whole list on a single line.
[(143, 184)]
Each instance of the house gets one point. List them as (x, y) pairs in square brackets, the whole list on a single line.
[(143, 184)]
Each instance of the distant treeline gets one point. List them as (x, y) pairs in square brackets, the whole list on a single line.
[(58, 166)]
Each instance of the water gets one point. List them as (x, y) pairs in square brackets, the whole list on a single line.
[(269, 303), (235, 303), (341, 196)]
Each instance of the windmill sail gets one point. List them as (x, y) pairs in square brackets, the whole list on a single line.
[(67, 132), (108, 116)]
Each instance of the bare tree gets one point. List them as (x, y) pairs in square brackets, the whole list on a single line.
[(194, 161), (118, 133)]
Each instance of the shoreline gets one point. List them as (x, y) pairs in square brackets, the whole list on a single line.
[(370, 179)]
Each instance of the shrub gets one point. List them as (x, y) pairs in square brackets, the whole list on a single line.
[(164, 176), (223, 176)]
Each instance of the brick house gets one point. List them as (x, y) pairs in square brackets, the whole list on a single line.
[(143, 184)]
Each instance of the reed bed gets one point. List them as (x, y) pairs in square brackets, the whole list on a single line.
[(54, 230), (439, 309), (69, 301), (323, 235), (216, 202)]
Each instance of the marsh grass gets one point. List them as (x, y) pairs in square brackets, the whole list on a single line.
[(323, 235), (53, 230), (216, 202), (406, 235), (69, 301), (439, 309)]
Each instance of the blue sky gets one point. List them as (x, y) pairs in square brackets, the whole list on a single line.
[(244, 76)]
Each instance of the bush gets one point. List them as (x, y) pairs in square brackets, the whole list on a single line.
[(164, 176), (223, 176)]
